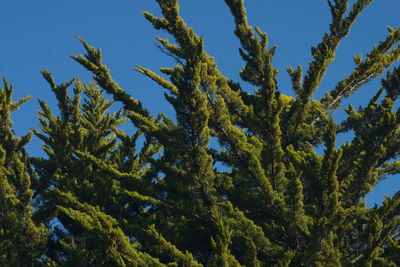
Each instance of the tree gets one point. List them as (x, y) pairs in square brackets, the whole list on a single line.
[(277, 203), (79, 191), (22, 241)]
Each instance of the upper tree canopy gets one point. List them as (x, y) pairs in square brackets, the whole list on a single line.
[(21, 241), (277, 202)]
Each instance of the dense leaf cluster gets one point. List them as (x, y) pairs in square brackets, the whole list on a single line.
[(98, 200)]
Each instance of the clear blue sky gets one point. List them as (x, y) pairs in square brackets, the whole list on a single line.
[(40, 34)]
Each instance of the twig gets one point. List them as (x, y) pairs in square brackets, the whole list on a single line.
[(177, 59)]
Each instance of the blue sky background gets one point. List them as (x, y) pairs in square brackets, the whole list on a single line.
[(40, 34)]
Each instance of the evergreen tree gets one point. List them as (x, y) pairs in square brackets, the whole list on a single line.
[(22, 242), (278, 203), (82, 198)]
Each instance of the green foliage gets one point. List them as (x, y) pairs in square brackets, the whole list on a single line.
[(22, 241), (277, 203)]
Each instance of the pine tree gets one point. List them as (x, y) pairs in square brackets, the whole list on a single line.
[(22, 241), (278, 202)]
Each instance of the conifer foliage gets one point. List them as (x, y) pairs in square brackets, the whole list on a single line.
[(22, 241), (277, 202)]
